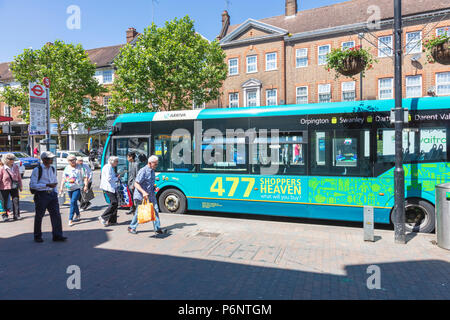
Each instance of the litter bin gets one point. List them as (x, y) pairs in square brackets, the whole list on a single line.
[(443, 215)]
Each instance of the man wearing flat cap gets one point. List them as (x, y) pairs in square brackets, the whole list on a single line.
[(43, 184)]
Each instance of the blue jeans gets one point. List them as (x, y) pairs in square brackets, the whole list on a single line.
[(74, 196), (134, 223)]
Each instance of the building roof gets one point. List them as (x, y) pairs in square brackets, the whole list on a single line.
[(346, 13), (5, 73), (103, 57)]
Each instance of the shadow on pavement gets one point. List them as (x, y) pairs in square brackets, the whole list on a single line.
[(38, 271)]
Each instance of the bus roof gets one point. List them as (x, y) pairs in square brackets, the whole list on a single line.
[(427, 103)]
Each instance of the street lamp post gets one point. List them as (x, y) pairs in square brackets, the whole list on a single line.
[(360, 36), (399, 174)]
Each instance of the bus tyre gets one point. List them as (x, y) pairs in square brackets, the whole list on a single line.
[(172, 201), (419, 216)]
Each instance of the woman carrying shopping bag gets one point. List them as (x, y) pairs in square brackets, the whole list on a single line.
[(73, 181), (10, 185)]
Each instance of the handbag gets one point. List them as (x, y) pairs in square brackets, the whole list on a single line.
[(87, 196), (146, 212), (14, 183)]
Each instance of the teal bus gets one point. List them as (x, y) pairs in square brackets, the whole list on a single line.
[(331, 159)]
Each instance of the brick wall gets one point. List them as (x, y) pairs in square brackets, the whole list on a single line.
[(314, 74)]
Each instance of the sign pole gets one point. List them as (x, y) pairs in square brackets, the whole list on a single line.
[(48, 119), (399, 174)]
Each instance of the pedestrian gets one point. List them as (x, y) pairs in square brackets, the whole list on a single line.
[(36, 152), (100, 153), (73, 181), (86, 173), (10, 185), (43, 184), (6, 207), (145, 189), (108, 183), (132, 173)]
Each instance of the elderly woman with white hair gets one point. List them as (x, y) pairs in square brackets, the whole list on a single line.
[(145, 189), (73, 182), (109, 183), (10, 184)]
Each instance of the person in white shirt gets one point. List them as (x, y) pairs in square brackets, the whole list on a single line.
[(108, 184), (43, 184)]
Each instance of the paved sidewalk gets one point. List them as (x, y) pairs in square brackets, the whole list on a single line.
[(204, 257)]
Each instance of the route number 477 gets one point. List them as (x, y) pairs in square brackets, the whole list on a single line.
[(217, 186)]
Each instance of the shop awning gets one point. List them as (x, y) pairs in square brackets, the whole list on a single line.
[(5, 119)]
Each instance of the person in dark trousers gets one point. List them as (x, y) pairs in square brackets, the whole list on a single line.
[(146, 190), (10, 185), (43, 184), (108, 184), (132, 173)]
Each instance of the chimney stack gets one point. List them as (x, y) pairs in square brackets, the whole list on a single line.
[(131, 34), (225, 24), (291, 8)]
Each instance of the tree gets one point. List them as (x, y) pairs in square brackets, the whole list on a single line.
[(168, 68), (72, 80), (15, 97)]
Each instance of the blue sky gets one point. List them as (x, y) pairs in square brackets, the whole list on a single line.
[(32, 23)]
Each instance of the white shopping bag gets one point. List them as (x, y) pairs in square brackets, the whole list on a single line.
[(61, 198)]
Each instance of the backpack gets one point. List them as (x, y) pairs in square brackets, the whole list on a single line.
[(34, 191)]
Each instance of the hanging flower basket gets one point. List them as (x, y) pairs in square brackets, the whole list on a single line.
[(441, 53), (438, 49), (349, 62), (351, 66)]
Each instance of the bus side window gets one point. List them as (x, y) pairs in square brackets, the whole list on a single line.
[(165, 145), (319, 150), (386, 146), (433, 144)]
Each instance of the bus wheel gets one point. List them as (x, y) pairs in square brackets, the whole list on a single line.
[(419, 216), (172, 201)]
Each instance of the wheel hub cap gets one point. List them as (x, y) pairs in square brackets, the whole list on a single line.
[(172, 202)]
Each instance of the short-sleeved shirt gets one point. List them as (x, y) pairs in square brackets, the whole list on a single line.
[(73, 178), (146, 179)]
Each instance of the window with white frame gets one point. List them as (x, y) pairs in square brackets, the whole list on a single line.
[(7, 111), (104, 76), (271, 97), (271, 61), (234, 100), (252, 64), (413, 42), (414, 86), (301, 56), (347, 45), (443, 31), (385, 88), (86, 106), (233, 68), (323, 51), (324, 93), (385, 46), (196, 105), (443, 84), (348, 91), (107, 76), (251, 97), (106, 100), (302, 95)]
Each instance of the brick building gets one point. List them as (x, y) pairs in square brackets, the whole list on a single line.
[(280, 60)]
